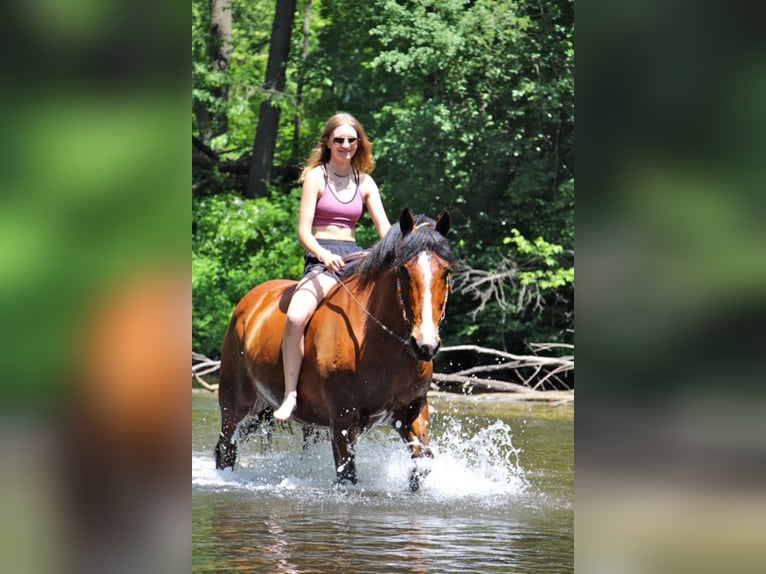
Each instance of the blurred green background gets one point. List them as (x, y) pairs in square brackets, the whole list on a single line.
[(671, 247), (94, 198), (95, 192)]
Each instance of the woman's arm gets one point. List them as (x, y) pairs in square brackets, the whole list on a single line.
[(374, 205), (309, 196)]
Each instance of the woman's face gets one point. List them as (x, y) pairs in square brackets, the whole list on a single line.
[(343, 142)]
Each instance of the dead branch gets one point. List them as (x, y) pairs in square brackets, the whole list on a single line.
[(490, 384), (204, 366), (485, 285), (204, 156), (543, 369), (548, 346), (532, 359)]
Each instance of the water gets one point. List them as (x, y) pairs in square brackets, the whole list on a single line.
[(499, 498)]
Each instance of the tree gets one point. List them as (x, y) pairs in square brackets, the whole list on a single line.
[(212, 121), (274, 85), (301, 81)]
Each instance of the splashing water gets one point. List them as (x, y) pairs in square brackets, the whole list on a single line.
[(470, 462), (476, 464)]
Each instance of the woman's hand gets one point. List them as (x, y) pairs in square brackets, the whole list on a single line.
[(331, 261)]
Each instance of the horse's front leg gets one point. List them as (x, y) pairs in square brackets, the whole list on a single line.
[(343, 450), (413, 428)]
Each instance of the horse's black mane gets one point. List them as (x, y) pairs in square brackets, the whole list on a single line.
[(393, 250)]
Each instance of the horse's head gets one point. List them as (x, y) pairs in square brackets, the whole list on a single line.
[(424, 264)]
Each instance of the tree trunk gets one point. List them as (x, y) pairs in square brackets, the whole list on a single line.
[(274, 84), (219, 54), (301, 81)]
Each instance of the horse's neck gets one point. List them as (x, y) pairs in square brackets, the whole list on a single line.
[(386, 300), (379, 298)]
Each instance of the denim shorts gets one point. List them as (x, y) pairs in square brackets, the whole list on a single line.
[(342, 248)]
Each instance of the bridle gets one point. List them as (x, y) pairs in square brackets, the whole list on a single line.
[(447, 283), (399, 296)]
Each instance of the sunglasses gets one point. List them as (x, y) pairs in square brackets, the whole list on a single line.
[(339, 141)]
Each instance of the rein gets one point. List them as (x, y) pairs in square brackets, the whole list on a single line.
[(387, 329)]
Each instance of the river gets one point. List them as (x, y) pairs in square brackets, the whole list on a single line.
[(499, 498)]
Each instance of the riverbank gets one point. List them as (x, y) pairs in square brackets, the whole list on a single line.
[(546, 404)]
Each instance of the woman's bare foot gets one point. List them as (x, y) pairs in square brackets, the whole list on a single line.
[(287, 407)]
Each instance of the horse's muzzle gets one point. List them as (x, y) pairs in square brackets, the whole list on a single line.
[(424, 352)]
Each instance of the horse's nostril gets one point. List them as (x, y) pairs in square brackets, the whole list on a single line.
[(422, 352), (418, 349), (430, 350)]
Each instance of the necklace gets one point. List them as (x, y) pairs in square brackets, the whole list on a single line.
[(336, 174)]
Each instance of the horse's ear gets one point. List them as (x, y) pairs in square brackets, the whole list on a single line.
[(406, 221), (443, 223)]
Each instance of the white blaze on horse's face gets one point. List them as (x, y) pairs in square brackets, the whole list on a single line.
[(426, 332)]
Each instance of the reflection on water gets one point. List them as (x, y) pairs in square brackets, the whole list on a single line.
[(499, 499)]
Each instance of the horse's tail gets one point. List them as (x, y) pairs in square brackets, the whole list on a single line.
[(230, 376)]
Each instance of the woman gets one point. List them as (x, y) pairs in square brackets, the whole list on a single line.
[(336, 182)]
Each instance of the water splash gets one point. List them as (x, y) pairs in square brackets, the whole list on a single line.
[(476, 463), (471, 462)]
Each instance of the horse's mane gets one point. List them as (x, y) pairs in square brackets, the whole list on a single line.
[(394, 250)]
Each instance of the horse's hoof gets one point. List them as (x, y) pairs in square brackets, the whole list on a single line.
[(225, 457), (345, 481), (342, 485), (417, 476)]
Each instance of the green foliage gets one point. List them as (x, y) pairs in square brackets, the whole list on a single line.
[(238, 243), (547, 273), (542, 290), (488, 125)]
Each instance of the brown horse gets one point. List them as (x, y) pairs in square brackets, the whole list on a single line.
[(368, 348)]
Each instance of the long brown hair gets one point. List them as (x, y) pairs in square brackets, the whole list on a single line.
[(362, 160)]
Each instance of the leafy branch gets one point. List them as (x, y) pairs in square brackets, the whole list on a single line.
[(516, 286)]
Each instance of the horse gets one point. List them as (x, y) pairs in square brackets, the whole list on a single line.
[(368, 350)]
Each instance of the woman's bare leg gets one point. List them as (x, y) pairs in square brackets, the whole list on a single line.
[(307, 296)]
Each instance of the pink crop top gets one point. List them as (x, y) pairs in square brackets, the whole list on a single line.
[(331, 211)]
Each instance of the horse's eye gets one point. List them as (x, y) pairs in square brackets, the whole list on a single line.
[(403, 271)]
